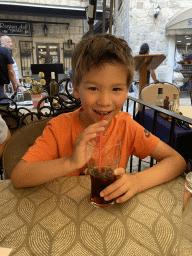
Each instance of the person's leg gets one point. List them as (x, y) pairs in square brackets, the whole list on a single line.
[(135, 87)]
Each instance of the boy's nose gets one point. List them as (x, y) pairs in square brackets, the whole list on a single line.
[(104, 99)]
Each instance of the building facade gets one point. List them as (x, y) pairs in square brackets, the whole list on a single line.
[(44, 31), (134, 21)]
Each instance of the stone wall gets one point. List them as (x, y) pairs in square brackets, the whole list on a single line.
[(135, 22), (57, 33)]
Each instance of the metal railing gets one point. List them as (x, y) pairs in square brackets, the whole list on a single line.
[(157, 110)]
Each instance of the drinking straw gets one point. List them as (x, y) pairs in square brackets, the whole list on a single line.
[(100, 144)]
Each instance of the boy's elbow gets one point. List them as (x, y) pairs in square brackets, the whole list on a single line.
[(14, 180), (182, 163), (16, 176)]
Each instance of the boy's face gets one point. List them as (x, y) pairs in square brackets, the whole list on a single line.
[(102, 91)]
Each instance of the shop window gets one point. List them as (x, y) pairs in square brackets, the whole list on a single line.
[(184, 47), (26, 57), (48, 53), (68, 49)]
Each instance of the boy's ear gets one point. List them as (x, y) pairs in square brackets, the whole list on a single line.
[(76, 91)]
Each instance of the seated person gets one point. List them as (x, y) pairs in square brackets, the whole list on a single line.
[(103, 70), (4, 135)]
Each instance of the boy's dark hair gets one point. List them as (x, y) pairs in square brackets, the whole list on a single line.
[(96, 50), (144, 48)]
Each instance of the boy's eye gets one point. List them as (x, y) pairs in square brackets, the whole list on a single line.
[(117, 89), (92, 88)]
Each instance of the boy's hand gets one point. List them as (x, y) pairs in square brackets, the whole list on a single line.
[(82, 151), (123, 188)]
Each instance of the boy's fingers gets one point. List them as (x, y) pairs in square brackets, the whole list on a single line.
[(125, 197), (111, 188), (94, 129), (117, 193), (119, 171)]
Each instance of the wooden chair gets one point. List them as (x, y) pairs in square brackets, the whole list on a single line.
[(149, 93), (19, 143)]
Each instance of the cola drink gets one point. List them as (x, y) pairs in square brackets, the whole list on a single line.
[(99, 181)]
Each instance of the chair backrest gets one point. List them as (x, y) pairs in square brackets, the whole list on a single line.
[(19, 143), (149, 93), (12, 119)]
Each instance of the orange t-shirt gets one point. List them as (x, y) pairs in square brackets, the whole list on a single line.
[(59, 136)]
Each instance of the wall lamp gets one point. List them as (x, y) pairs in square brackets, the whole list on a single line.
[(45, 29), (157, 11)]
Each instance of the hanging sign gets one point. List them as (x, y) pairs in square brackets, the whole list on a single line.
[(15, 28)]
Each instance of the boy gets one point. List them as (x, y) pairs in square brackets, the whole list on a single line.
[(102, 73)]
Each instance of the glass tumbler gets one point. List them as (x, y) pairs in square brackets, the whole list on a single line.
[(20, 96), (104, 160)]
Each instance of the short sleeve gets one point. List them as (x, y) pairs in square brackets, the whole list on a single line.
[(45, 147), (3, 130), (144, 142), (9, 58)]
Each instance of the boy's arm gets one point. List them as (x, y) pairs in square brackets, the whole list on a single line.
[(12, 76), (27, 174), (171, 164)]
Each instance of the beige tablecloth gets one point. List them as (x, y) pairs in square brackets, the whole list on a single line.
[(57, 219)]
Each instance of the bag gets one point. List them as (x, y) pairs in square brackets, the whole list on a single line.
[(178, 78)]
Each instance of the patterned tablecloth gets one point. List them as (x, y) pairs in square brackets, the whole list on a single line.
[(57, 219)]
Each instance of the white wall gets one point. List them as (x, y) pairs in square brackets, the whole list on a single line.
[(135, 22)]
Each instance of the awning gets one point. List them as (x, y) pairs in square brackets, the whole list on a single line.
[(98, 28), (28, 9), (180, 23)]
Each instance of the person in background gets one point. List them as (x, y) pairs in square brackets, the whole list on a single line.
[(6, 41), (144, 49), (4, 135), (70, 73), (103, 70), (7, 72)]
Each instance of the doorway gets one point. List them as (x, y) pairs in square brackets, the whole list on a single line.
[(48, 53)]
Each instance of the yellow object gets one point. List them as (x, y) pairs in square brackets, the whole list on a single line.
[(43, 82), (41, 74), (28, 80), (37, 88)]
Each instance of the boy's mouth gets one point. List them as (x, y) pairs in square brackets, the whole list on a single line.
[(102, 113)]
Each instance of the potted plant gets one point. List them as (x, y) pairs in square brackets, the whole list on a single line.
[(36, 90)]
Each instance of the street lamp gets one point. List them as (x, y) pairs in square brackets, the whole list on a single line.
[(45, 29), (157, 10)]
